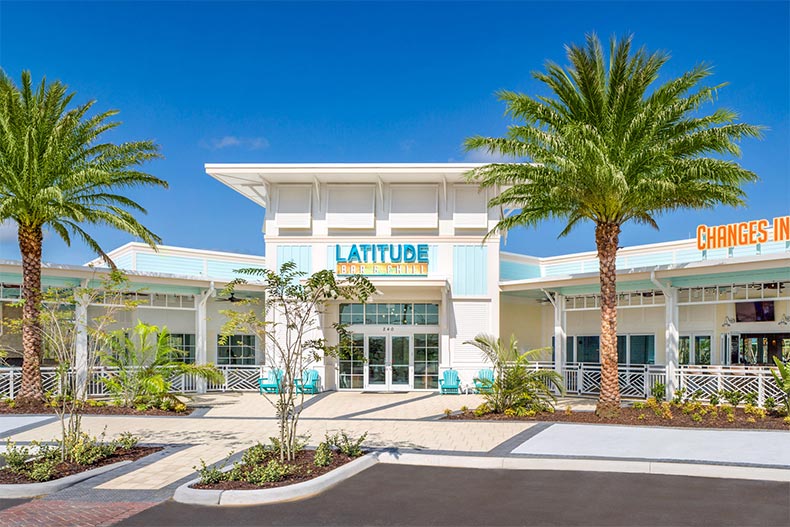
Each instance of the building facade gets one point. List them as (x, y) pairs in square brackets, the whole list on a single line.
[(706, 314)]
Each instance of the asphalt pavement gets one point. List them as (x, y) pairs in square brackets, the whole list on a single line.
[(390, 495)]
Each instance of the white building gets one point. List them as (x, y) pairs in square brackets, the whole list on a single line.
[(692, 314)]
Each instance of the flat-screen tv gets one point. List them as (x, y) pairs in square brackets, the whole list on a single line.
[(762, 311)]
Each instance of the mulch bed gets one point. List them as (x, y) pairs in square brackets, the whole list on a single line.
[(305, 470), (89, 410), (631, 416), (67, 469)]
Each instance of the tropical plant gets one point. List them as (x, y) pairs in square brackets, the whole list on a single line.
[(287, 322), (144, 362), (608, 146), (516, 385), (56, 173), (782, 379)]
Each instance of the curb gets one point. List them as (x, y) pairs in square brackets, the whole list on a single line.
[(297, 491), (31, 490)]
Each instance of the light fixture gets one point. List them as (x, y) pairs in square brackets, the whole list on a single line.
[(784, 320), (727, 322)]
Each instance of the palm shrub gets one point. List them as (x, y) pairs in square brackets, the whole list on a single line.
[(145, 361), (782, 379), (608, 146), (516, 386)]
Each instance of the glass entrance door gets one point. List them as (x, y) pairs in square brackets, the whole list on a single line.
[(389, 362)]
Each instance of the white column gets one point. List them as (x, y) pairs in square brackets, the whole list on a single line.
[(672, 318), (560, 339), (81, 345), (445, 360), (201, 340)]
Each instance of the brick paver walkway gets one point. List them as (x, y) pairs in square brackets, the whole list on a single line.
[(60, 513)]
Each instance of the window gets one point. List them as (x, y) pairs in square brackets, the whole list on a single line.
[(631, 349), (237, 350), (694, 350), (643, 349), (587, 349), (426, 361), (390, 314), (184, 342), (352, 363)]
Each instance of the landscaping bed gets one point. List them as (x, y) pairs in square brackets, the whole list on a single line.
[(67, 468), (703, 416), (303, 468), (90, 409)]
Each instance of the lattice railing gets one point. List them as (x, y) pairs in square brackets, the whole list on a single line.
[(635, 380), (236, 378), (745, 379)]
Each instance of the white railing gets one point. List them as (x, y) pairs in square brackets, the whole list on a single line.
[(636, 380), (715, 378), (236, 378)]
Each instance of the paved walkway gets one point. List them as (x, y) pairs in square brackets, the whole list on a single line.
[(407, 421), (752, 447)]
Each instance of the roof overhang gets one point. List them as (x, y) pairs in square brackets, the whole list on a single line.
[(253, 180)]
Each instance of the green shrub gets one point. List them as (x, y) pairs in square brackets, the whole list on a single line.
[(347, 445), (213, 474), (256, 454), (734, 397), (323, 454), (88, 450), (516, 384), (782, 380), (714, 399), (42, 469), (750, 398), (15, 456), (659, 391), (770, 404), (271, 472), (677, 399), (127, 440)]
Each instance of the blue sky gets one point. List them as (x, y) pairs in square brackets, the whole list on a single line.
[(367, 82)]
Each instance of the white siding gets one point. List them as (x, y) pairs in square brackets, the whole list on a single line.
[(294, 206), (351, 206), (471, 211), (414, 206), (471, 318)]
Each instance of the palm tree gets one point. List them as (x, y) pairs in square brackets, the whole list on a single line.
[(610, 147), (55, 173)]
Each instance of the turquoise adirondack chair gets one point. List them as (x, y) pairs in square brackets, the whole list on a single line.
[(484, 381), (450, 383), (309, 383), (272, 383)]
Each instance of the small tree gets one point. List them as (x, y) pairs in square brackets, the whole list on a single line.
[(60, 329), (145, 362), (289, 325)]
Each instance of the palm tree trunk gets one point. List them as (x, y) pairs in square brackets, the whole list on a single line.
[(607, 237), (30, 241)]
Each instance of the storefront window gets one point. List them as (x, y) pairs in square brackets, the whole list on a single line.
[(390, 314), (643, 349), (426, 361), (236, 350), (587, 349), (352, 363), (184, 342)]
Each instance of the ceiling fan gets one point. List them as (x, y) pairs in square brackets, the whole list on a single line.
[(232, 298)]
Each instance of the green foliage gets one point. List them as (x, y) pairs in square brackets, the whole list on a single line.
[(515, 384), (323, 454), (15, 456), (273, 471), (781, 377), (714, 399), (677, 399), (257, 453), (659, 391), (210, 475), (145, 362), (346, 443), (770, 404), (127, 440), (734, 397), (299, 300), (88, 450), (750, 398)]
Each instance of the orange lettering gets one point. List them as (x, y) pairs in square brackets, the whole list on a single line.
[(782, 229), (762, 231), (701, 241)]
